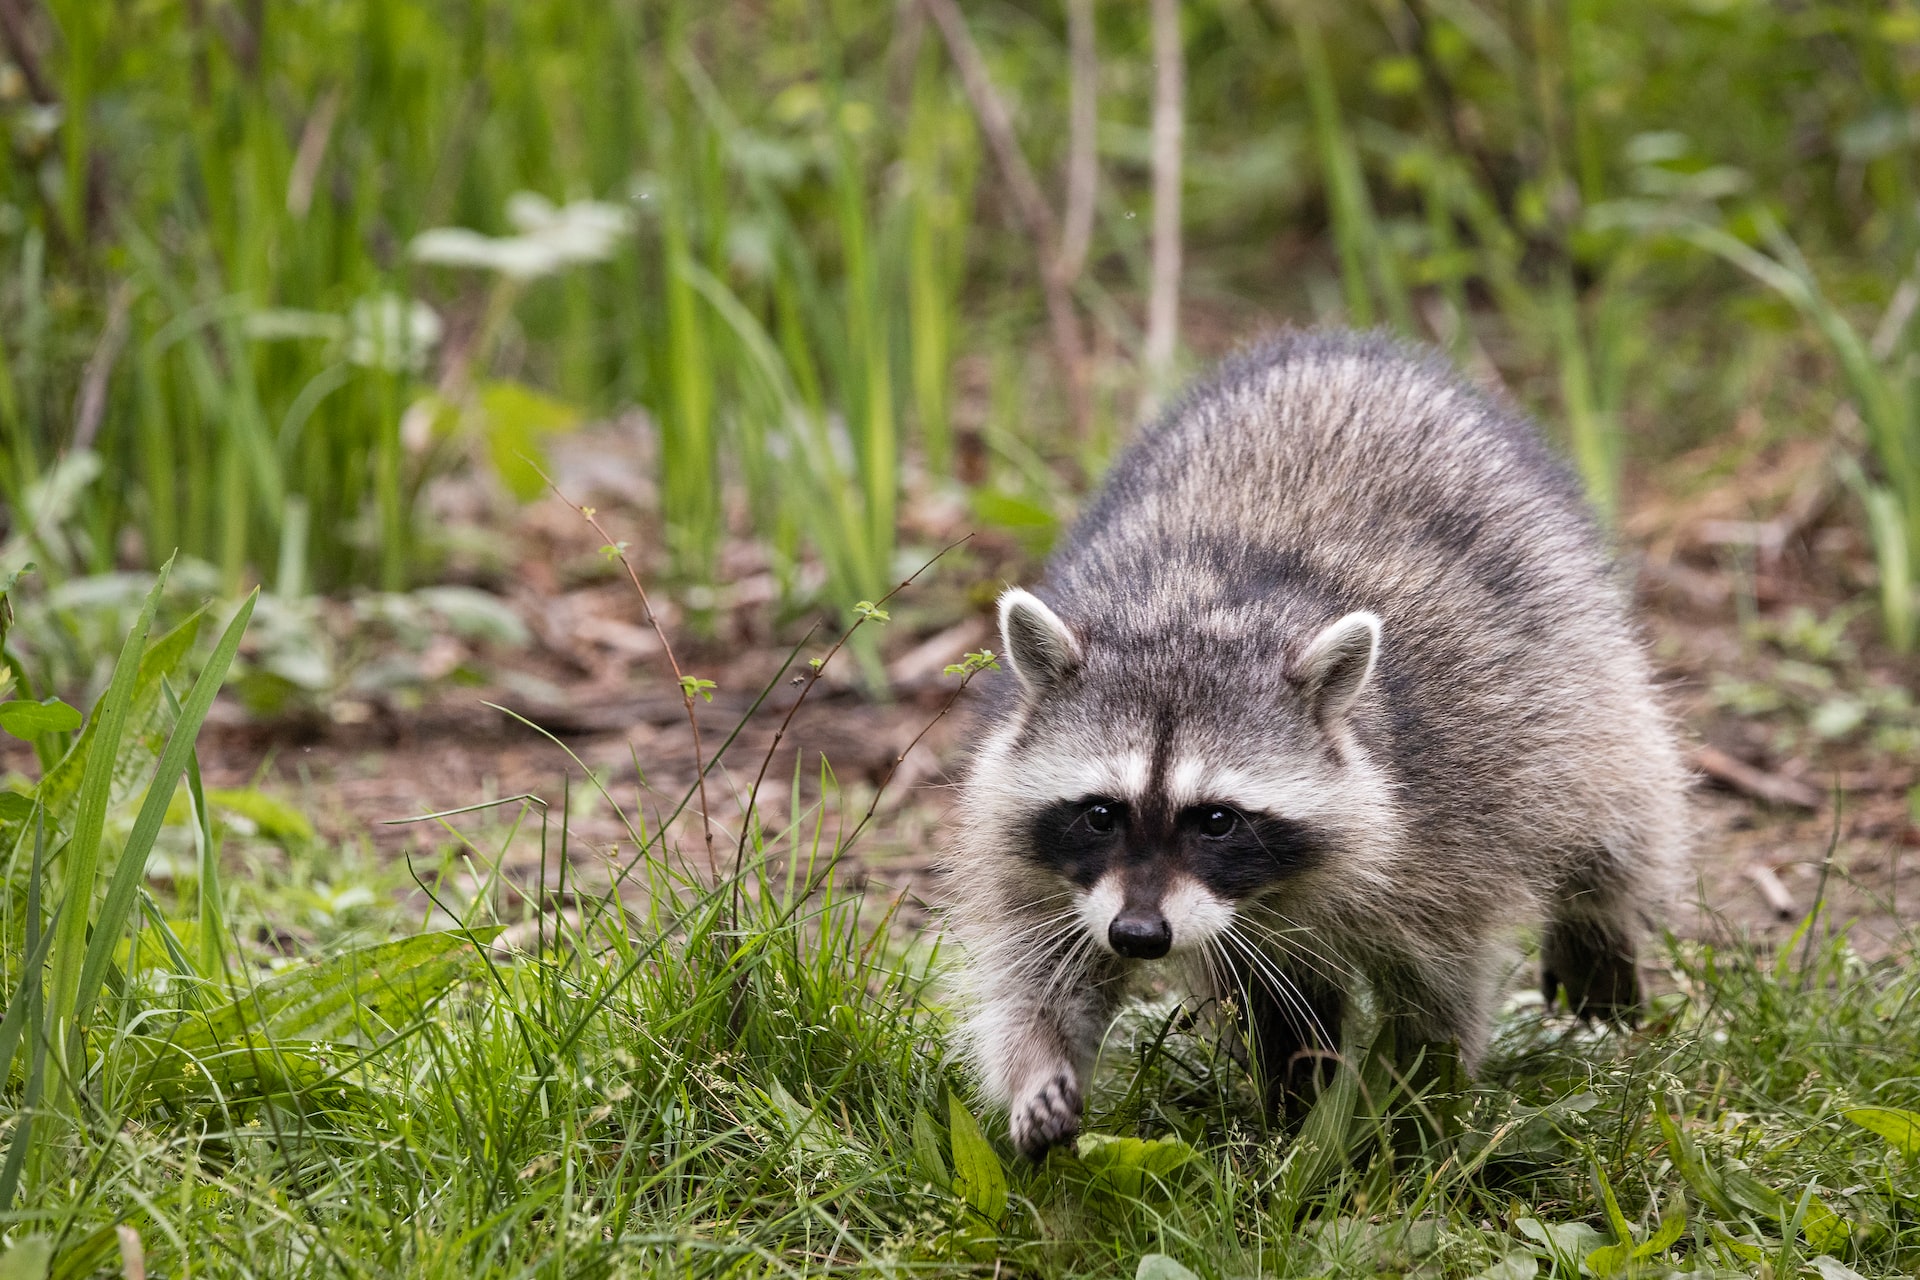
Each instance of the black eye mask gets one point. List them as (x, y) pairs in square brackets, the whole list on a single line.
[(1235, 855)]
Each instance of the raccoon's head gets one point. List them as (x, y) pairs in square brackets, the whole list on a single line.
[(1161, 783)]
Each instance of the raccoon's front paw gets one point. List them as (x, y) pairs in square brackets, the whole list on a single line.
[(1046, 1115)]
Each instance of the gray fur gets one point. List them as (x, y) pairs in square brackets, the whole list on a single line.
[(1485, 752)]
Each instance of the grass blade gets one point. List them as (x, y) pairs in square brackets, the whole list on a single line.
[(127, 875), (83, 849)]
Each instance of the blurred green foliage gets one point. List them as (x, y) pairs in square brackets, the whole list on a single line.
[(210, 220)]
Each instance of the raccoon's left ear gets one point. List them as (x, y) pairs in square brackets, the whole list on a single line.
[(1039, 647), (1335, 667)]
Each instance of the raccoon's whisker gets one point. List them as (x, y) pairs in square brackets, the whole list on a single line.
[(1260, 969), (1218, 970), (1258, 966), (1017, 938), (1282, 984), (1049, 950), (1294, 939), (1313, 961)]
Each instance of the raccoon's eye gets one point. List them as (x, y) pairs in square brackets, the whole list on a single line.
[(1101, 817), (1217, 822)]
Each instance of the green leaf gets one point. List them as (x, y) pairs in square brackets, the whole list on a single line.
[(1566, 1242), (273, 818), (1831, 1268), (131, 868), (140, 742), (1686, 1157), (517, 420), (1515, 1266), (15, 807), (19, 1005), (29, 720), (978, 1178), (1754, 1195), (1897, 1125), (1616, 1220), (10, 580), (1321, 1146), (298, 1028), (1158, 1266), (98, 748), (357, 995), (973, 663), (807, 1128), (27, 1259), (1131, 1167), (1609, 1259), (926, 1150), (1673, 1224), (1824, 1229)]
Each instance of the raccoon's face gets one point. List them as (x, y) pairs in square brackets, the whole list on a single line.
[(1160, 805)]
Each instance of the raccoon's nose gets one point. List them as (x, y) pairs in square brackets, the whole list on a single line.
[(1140, 934)]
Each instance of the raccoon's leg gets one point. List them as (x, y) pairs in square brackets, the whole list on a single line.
[(1587, 947), (1034, 1048), (1591, 958), (1441, 1004), (1293, 1022)]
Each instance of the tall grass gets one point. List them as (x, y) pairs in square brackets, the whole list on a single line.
[(265, 185), (206, 235)]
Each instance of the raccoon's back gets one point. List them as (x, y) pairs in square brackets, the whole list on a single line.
[(1348, 466)]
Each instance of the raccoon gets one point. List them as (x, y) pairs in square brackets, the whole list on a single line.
[(1332, 690)]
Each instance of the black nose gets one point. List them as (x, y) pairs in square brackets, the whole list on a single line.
[(1140, 934)]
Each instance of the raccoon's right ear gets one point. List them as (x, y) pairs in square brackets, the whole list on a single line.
[(1039, 647), (1335, 667)]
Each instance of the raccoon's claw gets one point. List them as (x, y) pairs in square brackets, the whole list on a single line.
[(1046, 1116)]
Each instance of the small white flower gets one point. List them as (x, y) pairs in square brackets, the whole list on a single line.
[(550, 238), (281, 324), (520, 257)]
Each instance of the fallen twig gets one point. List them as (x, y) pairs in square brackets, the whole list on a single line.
[(1738, 775), (1768, 882)]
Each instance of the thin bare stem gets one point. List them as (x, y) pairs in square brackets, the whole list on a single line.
[(812, 677), (686, 686), (1083, 154), (18, 36), (925, 729), (842, 847), (1169, 140), (1029, 205), (91, 404)]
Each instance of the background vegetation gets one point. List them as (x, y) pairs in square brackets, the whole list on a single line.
[(275, 273)]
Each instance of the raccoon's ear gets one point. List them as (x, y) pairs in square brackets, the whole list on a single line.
[(1038, 646), (1335, 667)]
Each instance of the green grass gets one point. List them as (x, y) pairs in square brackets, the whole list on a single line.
[(747, 1075)]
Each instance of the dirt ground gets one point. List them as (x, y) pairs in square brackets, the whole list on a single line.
[(1760, 534)]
